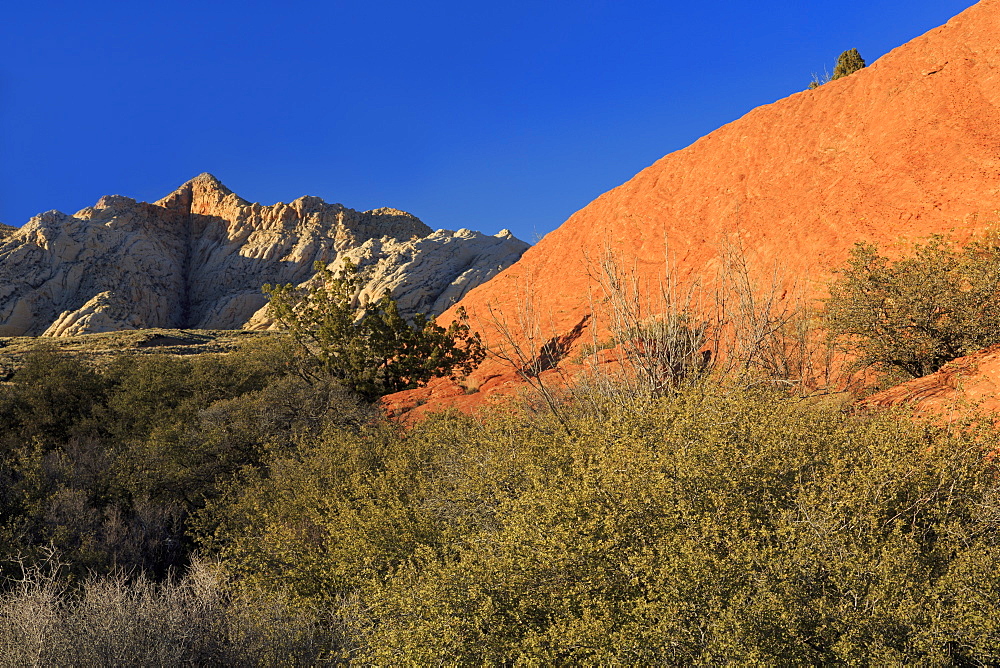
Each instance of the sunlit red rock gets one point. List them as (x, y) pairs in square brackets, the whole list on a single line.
[(960, 388), (905, 148)]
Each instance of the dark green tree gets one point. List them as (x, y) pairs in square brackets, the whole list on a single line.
[(370, 347), (917, 313), (849, 62)]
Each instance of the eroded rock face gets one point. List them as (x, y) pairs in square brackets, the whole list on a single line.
[(56, 264), (195, 259), (905, 148), (431, 274)]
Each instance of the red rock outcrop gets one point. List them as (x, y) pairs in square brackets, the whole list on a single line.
[(959, 388), (904, 148)]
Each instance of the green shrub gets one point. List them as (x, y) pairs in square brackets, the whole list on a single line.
[(706, 527), (52, 397), (848, 62), (106, 465), (915, 314)]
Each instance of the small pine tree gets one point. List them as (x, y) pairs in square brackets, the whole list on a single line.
[(849, 62)]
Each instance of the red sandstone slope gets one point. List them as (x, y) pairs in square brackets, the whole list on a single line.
[(904, 148), (961, 387)]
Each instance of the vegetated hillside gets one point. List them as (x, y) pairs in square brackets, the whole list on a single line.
[(710, 525), (198, 258), (904, 148)]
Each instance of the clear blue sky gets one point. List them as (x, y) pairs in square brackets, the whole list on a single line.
[(468, 114)]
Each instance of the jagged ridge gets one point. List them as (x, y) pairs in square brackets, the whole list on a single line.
[(194, 259)]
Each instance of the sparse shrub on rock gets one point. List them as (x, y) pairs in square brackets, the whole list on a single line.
[(848, 62)]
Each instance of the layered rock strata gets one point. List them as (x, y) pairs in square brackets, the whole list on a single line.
[(961, 388)]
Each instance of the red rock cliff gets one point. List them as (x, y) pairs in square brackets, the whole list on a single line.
[(904, 148)]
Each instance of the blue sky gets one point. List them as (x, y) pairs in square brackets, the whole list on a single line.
[(468, 114)]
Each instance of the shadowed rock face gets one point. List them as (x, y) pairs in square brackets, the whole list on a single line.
[(907, 147), (195, 259)]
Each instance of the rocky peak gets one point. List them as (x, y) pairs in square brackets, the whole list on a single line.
[(195, 259), (114, 202), (204, 194)]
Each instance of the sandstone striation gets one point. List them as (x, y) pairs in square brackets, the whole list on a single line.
[(959, 389), (904, 148), (195, 259)]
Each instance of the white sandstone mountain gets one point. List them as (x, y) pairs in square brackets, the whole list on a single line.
[(198, 258)]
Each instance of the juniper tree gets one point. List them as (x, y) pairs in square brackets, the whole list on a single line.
[(849, 62), (370, 347)]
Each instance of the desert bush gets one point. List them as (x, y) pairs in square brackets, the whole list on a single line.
[(115, 620), (917, 313), (708, 526), (321, 533), (741, 529), (848, 62), (106, 465), (51, 397), (663, 330), (187, 457), (738, 326)]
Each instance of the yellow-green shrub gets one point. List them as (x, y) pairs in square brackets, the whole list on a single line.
[(706, 527)]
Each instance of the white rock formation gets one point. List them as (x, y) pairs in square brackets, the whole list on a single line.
[(425, 274), (198, 257), (104, 312)]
